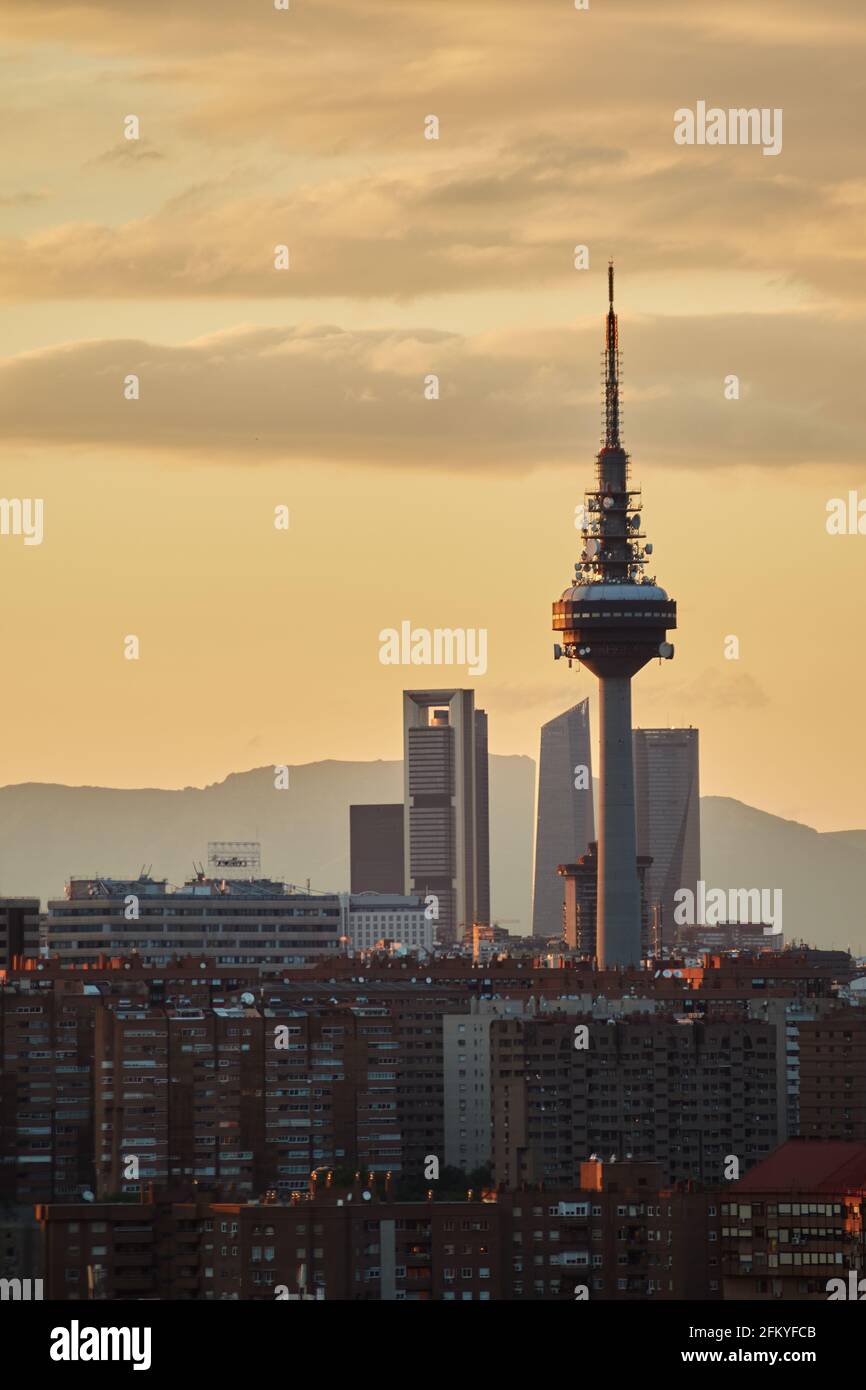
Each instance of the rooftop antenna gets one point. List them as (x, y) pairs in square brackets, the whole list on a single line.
[(611, 370)]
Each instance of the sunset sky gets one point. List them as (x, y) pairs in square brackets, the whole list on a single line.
[(305, 387)]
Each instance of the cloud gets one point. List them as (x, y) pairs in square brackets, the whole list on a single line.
[(541, 145), (128, 152), (509, 401), (25, 198), (712, 690), (494, 222)]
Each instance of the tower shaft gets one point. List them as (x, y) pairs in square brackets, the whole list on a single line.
[(618, 929)]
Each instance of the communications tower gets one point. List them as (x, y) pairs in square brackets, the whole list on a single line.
[(613, 620)]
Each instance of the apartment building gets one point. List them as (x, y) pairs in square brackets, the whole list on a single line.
[(617, 1235), (795, 1222), (681, 1091)]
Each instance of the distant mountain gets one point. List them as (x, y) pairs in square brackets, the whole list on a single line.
[(822, 876), (48, 833)]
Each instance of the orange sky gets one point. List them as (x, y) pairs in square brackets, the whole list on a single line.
[(409, 257)]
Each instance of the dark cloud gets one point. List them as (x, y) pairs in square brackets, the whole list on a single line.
[(509, 401)]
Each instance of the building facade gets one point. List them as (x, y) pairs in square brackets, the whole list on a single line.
[(467, 1089), (232, 921), (376, 849), (399, 918), (793, 1227), (446, 835), (681, 1092), (565, 822), (19, 931), (580, 909), (668, 817)]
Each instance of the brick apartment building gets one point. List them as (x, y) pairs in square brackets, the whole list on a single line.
[(795, 1222), (177, 1067), (617, 1235), (832, 1061), (620, 1234), (115, 1076), (682, 1092)]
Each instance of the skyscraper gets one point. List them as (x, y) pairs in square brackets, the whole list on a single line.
[(482, 820), (445, 805), (565, 823), (667, 805), (614, 619)]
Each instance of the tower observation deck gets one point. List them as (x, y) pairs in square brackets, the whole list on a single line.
[(614, 619)]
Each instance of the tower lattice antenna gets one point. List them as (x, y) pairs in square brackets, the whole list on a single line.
[(611, 371)]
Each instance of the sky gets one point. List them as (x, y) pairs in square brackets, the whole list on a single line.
[(304, 388)]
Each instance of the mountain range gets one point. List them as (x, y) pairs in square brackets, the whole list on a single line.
[(50, 832)]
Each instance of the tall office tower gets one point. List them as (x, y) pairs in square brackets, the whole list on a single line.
[(482, 820), (444, 829), (614, 619), (667, 806), (376, 848), (565, 824)]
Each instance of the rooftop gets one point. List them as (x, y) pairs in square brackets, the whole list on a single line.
[(809, 1165)]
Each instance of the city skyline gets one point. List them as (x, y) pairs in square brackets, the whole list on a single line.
[(409, 257), (385, 914)]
